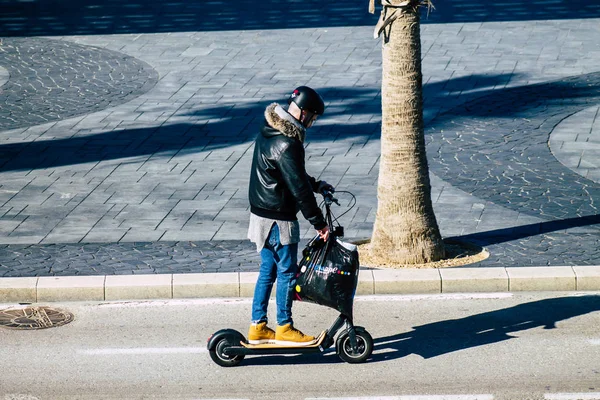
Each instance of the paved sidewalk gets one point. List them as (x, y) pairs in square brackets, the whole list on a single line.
[(125, 143)]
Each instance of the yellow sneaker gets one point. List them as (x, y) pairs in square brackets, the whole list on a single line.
[(260, 333), (287, 335)]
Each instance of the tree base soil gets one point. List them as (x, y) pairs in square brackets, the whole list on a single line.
[(457, 254)]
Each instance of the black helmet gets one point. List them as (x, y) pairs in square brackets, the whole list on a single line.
[(307, 99)]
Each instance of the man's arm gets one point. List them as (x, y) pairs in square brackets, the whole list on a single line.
[(320, 186), (293, 171), (313, 183)]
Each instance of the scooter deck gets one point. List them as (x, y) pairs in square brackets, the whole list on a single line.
[(315, 343)]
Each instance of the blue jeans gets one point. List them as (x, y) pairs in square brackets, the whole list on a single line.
[(277, 262)]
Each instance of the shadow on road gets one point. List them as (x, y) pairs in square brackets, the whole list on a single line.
[(329, 357), (444, 337), (99, 17)]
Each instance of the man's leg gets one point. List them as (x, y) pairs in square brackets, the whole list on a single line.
[(266, 277), (259, 332), (287, 269)]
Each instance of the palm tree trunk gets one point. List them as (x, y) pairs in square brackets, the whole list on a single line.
[(405, 231)]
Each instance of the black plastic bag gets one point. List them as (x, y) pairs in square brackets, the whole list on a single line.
[(328, 274)]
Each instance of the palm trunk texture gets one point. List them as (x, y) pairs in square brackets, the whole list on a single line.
[(405, 231)]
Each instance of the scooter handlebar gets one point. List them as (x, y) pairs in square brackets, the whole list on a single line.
[(328, 197)]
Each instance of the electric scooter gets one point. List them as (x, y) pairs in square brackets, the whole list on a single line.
[(228, 347)]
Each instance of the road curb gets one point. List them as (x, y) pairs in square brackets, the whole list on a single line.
[(241, 284)]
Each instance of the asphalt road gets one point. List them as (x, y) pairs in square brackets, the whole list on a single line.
[(485, 346)]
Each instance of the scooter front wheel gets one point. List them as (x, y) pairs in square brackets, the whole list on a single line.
[(364, 346), (217, 352)]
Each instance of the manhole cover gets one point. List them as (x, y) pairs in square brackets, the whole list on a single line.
[(34, 318)]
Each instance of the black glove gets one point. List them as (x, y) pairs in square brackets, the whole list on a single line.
[(324, 186)]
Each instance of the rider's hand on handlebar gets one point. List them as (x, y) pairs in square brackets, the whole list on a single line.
[(324, 186), (323, 233)]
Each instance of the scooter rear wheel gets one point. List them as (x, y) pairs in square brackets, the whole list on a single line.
[(364, 344), (218, 354)]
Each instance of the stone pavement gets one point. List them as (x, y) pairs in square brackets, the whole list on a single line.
[(126, 131)]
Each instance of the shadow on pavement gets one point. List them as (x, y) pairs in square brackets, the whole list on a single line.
[(448, 336), (209, 129), (520, 232), (521, 100), (218, 127), (349, 115), (96, 17)]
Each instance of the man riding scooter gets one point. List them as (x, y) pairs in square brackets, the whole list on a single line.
[(279, 188)]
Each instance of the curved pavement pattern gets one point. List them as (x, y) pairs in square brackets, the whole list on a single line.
[(4, 76), (157, 184), (575, 142), (497, 149), (52, 80), (503, 160)]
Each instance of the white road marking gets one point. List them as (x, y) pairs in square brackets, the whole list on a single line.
[(572, 396), (143, 351), (187, 302), (247, 300), (441, 296), (595, 342), (15, 396), (423, 397)]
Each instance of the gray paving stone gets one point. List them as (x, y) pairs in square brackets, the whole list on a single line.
[(104, 235), (208, 103), (192, 233)]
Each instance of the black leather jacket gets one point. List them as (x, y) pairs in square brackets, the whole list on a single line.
[(279, 184)]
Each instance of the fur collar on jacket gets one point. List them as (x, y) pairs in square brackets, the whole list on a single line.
[(281, 120)]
